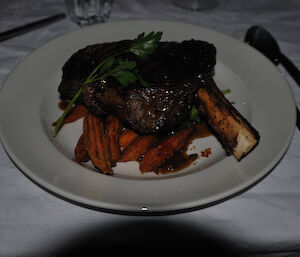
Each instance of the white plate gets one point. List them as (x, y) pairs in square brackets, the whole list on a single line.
[(29, 104)]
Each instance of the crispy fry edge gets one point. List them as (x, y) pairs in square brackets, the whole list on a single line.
[(81, 154), (96, 144)]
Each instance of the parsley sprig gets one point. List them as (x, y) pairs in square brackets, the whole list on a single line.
[(123, 70)]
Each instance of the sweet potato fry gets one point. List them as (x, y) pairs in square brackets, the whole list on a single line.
[(96, 143), (126, 138), (112, 130), (76, 113), (156, 156), (138, 147), (81, 154)]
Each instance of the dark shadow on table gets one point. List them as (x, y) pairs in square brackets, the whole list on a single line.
[(145, 237)]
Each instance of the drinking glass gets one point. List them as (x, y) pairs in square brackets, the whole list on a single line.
[(196, 5), (86, 12)]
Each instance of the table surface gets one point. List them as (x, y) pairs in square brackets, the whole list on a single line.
[(263, 221)]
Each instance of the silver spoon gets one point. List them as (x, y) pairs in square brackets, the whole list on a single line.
[(263, 41)]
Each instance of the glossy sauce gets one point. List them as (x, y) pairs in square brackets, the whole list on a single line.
[(182, 160)]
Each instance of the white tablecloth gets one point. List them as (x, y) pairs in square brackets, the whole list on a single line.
[(263, 221)]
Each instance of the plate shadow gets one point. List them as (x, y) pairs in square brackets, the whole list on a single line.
[(145, 237)]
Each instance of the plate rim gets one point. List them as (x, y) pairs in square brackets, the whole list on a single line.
[(243, 187)]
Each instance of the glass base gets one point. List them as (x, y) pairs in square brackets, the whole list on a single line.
[(90, 20), (87, 12), (196, 5)]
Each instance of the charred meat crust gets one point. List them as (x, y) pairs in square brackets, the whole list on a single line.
[(174, 73), (82, 63)]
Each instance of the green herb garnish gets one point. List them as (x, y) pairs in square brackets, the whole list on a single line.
[(194, 115), (123, 70), (226, 91), (145, 45)]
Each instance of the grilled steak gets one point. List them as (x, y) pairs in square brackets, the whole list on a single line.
[(174, 72), (147, 110)]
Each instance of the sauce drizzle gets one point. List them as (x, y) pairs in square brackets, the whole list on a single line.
[(181, 159)]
